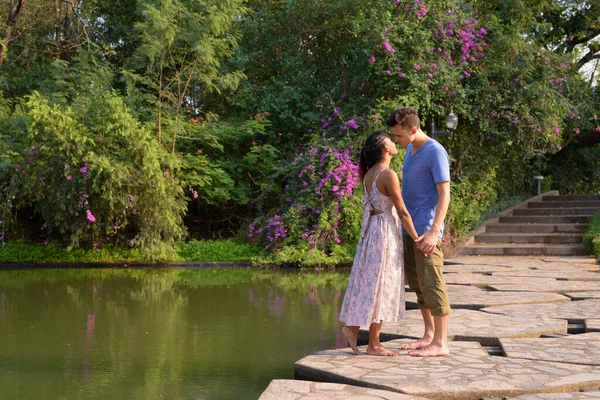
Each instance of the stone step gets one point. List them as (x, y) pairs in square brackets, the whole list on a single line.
[(545, 219), (573, 197), (564, 204), (555, 211), (535, 228), (552, 238), (524, 250)]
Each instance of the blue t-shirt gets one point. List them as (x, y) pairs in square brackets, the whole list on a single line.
[(422, 170)]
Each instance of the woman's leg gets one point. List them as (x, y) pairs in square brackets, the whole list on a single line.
[(351, 335), (375, 348)]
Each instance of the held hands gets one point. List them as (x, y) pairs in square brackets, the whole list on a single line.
[(427, 242)]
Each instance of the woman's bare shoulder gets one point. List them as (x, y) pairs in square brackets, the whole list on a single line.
[(389, 174)]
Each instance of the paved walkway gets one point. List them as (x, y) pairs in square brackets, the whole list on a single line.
[(523, 306)]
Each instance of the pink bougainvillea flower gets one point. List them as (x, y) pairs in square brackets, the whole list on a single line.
[(388, 46)]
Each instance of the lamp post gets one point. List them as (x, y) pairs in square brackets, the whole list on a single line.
[(539, 179), (451, 124)]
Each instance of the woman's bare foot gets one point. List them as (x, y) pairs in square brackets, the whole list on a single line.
[(352, 337), (419, 344), (380, 351), (433, 350)]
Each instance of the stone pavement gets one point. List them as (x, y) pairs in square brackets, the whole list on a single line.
[(553, 286), (572, 311), (285, 389), (474, 298), (574, 349), (592, 325), (568, 274), (469, 372), (523, 313), (472, 325), (584, 295), (592, 395)]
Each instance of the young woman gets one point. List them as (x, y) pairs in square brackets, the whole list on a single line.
[(375, 291)]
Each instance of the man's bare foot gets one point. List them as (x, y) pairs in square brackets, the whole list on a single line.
[(432, 350), (352, 338), (419, 344), (380, 351)]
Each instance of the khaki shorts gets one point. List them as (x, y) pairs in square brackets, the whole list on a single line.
[(425, 276)]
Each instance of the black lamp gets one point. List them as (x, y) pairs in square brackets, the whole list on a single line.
[(451, 124)]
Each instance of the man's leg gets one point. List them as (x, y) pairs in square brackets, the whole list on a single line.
[(431, 281), (410, 273)]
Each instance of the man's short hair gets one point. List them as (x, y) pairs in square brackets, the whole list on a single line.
[(406, 116)]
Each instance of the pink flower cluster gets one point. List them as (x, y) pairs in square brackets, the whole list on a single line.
[(274, 229)]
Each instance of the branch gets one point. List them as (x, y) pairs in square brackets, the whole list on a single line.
[(591, 55), (13, 15), (82, 22), (591, 139), (574, 42)]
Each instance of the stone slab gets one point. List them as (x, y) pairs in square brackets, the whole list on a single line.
[(488, 280), (569, 274), (481, 268), (593, 294), (575, 349), (471, 325), (591, 395), (522, 261), (467, 373), (474, 298), (287, 389), (572, 311), (553, 286), (526, 262), (592, 325)]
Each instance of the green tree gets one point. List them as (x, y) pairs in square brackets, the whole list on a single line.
[(178, 60)]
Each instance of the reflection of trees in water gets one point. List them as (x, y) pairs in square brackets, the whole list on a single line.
[(97, 331)]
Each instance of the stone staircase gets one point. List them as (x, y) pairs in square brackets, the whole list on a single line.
[(548, 224)]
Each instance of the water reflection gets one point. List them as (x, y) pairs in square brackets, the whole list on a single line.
[(160, 333)]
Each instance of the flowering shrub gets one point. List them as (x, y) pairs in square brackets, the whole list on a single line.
[(96, 176), (320, 208)]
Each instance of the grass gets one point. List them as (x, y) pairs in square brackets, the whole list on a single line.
[(206, 250), (216, 250)]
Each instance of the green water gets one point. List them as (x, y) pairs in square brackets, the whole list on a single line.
[(160, 333)]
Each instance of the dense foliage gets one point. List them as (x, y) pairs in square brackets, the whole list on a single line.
[(142, 121)]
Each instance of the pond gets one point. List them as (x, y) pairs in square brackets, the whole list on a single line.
[(161, 333)]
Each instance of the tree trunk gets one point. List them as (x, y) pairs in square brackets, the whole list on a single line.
[(14, 12), (66, 51), (58, 40), (160, 94)]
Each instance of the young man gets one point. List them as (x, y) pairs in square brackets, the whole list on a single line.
[(426, 193)]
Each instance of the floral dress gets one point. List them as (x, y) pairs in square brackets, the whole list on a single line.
[(375, 290)]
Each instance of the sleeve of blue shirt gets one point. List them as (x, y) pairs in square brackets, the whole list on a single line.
[(440, 166)]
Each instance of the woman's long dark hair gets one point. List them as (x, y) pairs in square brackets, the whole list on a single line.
[(370, 154)]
